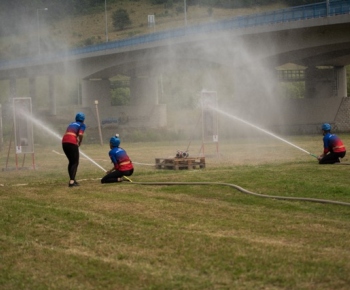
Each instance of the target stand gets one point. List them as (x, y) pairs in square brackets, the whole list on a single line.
[(22, 131), (210, 123)]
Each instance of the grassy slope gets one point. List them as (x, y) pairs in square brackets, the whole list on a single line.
[(124, 236), (75, 31), (94, 25)]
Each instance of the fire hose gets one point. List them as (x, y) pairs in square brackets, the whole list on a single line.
[(241, 189)]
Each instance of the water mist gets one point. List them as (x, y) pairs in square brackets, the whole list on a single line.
[(262, 130), (57, 136)]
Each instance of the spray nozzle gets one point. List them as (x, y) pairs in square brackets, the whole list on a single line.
[(313, 155)]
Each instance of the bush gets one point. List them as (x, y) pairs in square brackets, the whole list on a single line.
[(121, 19)]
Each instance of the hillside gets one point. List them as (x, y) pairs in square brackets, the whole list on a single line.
[(90, 29), (93, 26)]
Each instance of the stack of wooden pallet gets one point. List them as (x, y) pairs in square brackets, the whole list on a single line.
[(180, 163)]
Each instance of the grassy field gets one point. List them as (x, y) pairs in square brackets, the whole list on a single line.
[(137, 236)]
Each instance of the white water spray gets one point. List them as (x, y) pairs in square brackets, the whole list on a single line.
[(262, 130), (41, 125)]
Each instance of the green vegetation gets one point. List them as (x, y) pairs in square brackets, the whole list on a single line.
[(293, 90), (121, 19), (135, 236), (65, 24)]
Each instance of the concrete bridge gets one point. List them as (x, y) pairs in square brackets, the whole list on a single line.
[(249, 48)]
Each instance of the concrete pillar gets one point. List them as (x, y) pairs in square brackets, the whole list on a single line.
[(1, 133), (52, 95), (13, 88), (143, 90), (340, 72), (32, 93), (144, 100), (310, 88), (92, 90), (320, 83)]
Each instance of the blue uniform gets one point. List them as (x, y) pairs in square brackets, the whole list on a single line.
[(74, 129), (122, 165), (120, 159), (333, 149), (332, 143), (70, 146)]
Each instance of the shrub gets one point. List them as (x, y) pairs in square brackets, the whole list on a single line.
[(121, 19)]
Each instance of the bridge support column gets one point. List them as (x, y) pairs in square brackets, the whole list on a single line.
[(32, 92), (144, 100), (340, 72), (92, 90), (143, 90), (52, 95), (13, 88)]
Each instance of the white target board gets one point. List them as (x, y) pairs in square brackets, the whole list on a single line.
[(209, 116), (23, 126)]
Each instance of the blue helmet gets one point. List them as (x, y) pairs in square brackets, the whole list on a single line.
[(326, 127), (80, 117), (114, 141)]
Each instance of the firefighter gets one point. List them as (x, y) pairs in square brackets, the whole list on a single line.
[(333, 147), (70, 144), (122, 165)]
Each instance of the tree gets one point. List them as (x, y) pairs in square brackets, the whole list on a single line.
[(121, 19)]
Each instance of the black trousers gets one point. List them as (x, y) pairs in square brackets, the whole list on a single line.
[(332, 158), (113, 176), (72, 153)]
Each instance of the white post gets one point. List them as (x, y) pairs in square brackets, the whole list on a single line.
[(327, 3), (185, 11), (38, 26), (152, 22), (37, 29), (99, 123), (1, 134), (106, 22)]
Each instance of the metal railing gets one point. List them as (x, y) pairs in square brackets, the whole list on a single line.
[(291, 75), (298, 13)]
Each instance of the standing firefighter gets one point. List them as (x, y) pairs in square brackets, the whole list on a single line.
[(122, 165), (70, 143), (333, 147)]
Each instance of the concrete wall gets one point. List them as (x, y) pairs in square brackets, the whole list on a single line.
[(143, 112), (342, 119), (305, 116)]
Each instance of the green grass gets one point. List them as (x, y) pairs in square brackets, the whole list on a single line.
[(135, 236)]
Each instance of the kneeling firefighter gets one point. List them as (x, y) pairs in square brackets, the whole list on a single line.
[(122, 165), (333, 147)]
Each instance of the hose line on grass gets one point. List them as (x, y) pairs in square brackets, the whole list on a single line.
[(241, 189)]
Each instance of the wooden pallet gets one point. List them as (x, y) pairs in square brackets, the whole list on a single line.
[(180, 163)]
